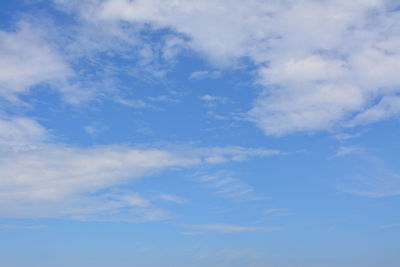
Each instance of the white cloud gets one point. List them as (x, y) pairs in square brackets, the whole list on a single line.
[(347, 150), (28, 59), (95, 128), (208, 98), (213, 28), (389, 106), (39, 181), (347, 136), (204, 74), (211, 101), (39, 178), (133, 103), (226, 185), (20, 132), (234, 153), (322, 63)]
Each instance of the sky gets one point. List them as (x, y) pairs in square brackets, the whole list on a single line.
[(259, 133)]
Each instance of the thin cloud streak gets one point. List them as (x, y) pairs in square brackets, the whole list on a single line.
[(227, 228), (40, 178)]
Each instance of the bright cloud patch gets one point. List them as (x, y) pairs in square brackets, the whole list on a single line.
[(28, 60), (41, 179), (322, 64)]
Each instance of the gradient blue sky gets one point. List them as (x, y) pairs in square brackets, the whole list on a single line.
[(199, 133)]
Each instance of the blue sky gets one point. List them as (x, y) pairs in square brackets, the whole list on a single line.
[(199, 133)]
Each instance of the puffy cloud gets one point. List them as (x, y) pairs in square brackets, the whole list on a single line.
[(28, 59), (323, 64), (344, 66)]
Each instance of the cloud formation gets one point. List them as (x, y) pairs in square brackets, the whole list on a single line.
[(226, 228), (40, 178), (323, 64), (369, 175), (226, 185), (28, 59)]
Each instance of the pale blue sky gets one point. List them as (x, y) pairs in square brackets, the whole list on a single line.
[(199, 133)]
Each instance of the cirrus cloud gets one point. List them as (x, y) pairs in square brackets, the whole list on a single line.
[(41, 178)]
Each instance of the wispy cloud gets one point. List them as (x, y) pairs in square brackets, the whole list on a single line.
[(278, 212), (370, 176), (21, 132), (41, 178), (213, 101), (95, 128), (347, 150), (235, 153), (227, 185), (205, 74), (133, 103), (391, 225), (226, 228), (172, 198), (347, 136), (23, 227)]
